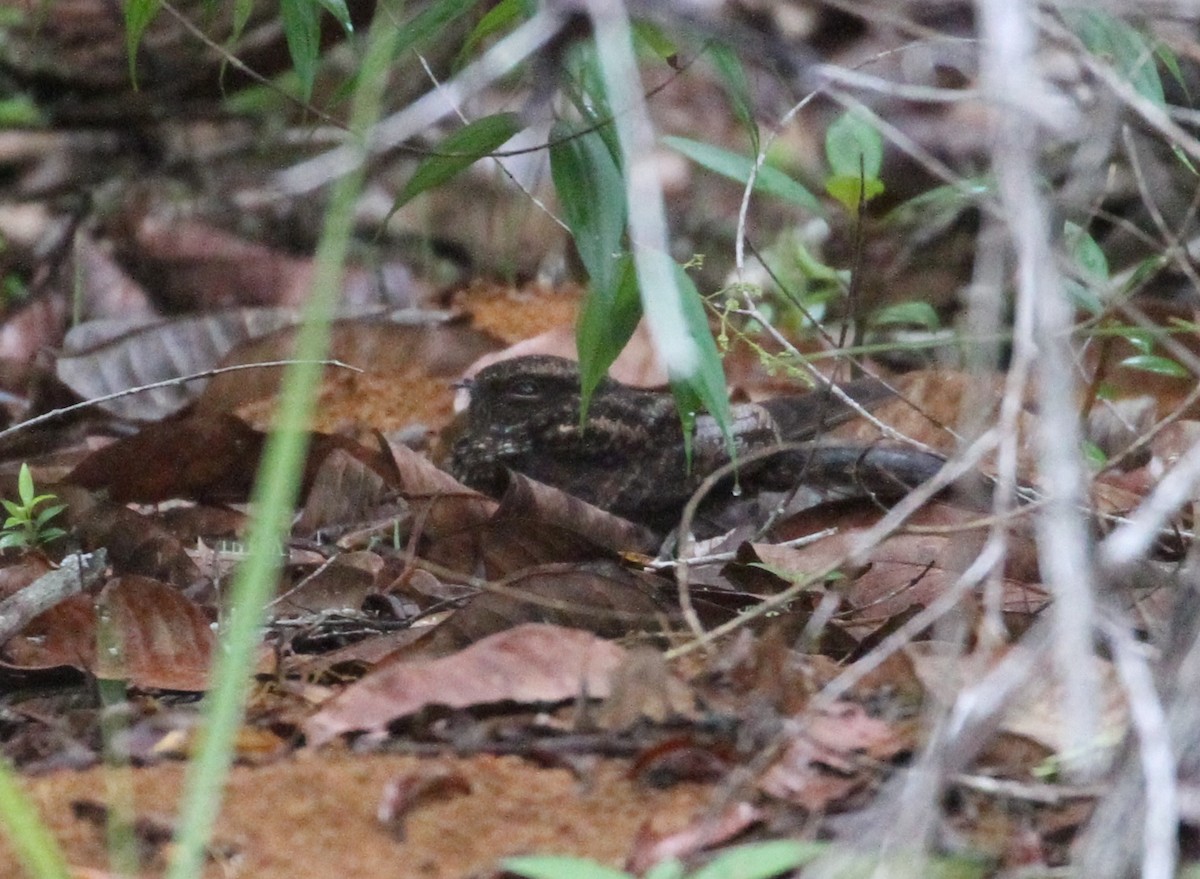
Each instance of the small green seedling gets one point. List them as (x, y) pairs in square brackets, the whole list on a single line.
[(26, 526)]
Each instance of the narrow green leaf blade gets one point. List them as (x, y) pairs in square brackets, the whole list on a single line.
[(338, 9), (761, 860), (592, 195), (501, 17), (558, 867), (432, 20), (705, 388), (458, 151), (732, 76), (138, 16), (770, 181), (606, 322), (302, 28), (1157, 365)]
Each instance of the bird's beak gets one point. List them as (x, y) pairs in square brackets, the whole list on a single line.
[(462, 394)]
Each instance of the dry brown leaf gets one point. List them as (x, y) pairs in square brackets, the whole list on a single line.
[(105, 356), (166, 641), (909, 569), (1037, 711), (601, 597), (539, 524), (205, 457), (135, 543), (528, 664), (340, 585), (821, 764), (343, 491)]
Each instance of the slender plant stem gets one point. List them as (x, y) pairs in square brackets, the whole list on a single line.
[(277, 488)]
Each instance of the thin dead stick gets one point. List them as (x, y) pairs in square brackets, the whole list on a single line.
[(954, 469), (77, 572), (1160, 840), (165, 383)]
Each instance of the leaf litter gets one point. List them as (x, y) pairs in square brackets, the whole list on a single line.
[(414, 614)]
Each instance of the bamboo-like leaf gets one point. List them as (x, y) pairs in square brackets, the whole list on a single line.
[(732, 76), (606, 322), (770, 181), (432, 20), (559, 866), (302, 28), (138, 16), (592, 195), (1156, 364), (761, 860), (1122, 45), (502, 16), (338, 9), (705, 388), (458, 151)]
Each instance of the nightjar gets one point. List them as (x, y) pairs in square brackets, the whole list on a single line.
[(629, 456)]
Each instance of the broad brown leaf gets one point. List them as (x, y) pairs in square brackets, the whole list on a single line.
[(530, 664)]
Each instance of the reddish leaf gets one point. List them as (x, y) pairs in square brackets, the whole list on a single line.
[(166, 641), (213, 457), (528, 664), (821, 766), (135, 543)]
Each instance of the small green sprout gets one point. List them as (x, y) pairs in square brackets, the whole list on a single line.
[(26, 526)]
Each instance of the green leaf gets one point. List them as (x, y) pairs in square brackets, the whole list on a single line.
[(560, 867), (138, 16), (337, 8), (1085, 252), (851, 191), (606, 321), (1157, 365), (705, 388), (732, 77), (48, 534), (671, 868), (1123, 46), (761, 860), (592, 194), (20, 111), (853, 145), (654, 38), (241, 15), (920, 314), (13, 539), (302, 28), (25, 487), (432, 20), (458, 151), (47, 514), (1094, 454), (770, 181), (13, 508), (504, 15)]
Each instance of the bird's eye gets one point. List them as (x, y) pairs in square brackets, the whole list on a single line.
[(526, 389)]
